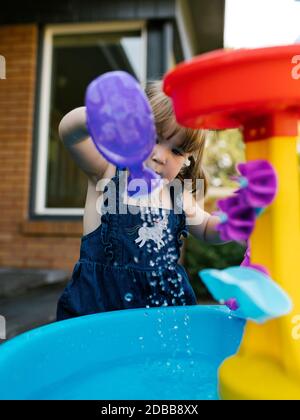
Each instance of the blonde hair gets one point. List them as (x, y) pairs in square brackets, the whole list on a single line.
[(194, 142)]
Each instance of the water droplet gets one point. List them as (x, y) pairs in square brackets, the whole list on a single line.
[(128, 297), (175, 327), (141, 338), (136, 260), (152, 263)]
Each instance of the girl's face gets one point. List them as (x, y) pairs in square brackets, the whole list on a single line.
[(167, 157)]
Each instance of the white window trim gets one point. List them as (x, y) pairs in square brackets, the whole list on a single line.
[(44, 104)]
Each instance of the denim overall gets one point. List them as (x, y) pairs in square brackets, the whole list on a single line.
[(118, 270)]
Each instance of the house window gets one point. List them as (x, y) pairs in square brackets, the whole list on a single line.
[(73, 56)]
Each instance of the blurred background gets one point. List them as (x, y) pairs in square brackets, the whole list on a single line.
[(52, 50)]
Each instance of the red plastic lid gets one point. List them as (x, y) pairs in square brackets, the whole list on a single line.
[(233, 88)]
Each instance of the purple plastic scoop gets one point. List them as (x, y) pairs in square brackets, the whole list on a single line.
[(121, 124), (258, 182), (238, 219)]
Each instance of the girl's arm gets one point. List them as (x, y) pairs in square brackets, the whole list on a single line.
[(200, 223), (73, 133), (211, 235)]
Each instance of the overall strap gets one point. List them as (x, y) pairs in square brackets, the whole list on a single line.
[(117, 176), (177, 201)]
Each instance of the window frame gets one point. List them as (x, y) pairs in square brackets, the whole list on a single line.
[(43, 100)]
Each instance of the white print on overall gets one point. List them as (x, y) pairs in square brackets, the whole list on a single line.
[(154, 233)]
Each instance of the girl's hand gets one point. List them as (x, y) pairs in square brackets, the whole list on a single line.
[(200, 223)]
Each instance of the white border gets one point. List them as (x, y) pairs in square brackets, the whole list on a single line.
[(44, 102)]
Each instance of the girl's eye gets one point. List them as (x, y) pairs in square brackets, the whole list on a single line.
[(177, 152)]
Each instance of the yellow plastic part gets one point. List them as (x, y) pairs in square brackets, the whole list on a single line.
[(267, 365)]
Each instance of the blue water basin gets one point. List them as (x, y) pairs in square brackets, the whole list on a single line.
[(143, 354)]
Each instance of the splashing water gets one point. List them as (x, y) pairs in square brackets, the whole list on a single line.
[(128, 297), (173, 283)]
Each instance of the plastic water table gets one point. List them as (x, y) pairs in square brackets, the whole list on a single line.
[(256, 90), (168, 353)]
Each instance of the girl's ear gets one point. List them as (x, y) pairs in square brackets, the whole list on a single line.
[(187, 162)]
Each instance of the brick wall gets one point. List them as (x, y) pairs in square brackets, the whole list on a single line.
[(25, 243)]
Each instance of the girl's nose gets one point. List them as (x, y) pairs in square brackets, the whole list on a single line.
[(159, 156)]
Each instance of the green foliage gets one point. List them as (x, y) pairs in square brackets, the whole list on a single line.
[(224, 149), (199, 255)]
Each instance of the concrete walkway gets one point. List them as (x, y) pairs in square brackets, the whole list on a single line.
[(28, 298)]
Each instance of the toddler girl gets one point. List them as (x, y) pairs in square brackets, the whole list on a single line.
[(129, 259)]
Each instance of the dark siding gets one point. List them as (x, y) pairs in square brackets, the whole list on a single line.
[(56, 11), (178, 50), (208, 24), (155, 50)]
